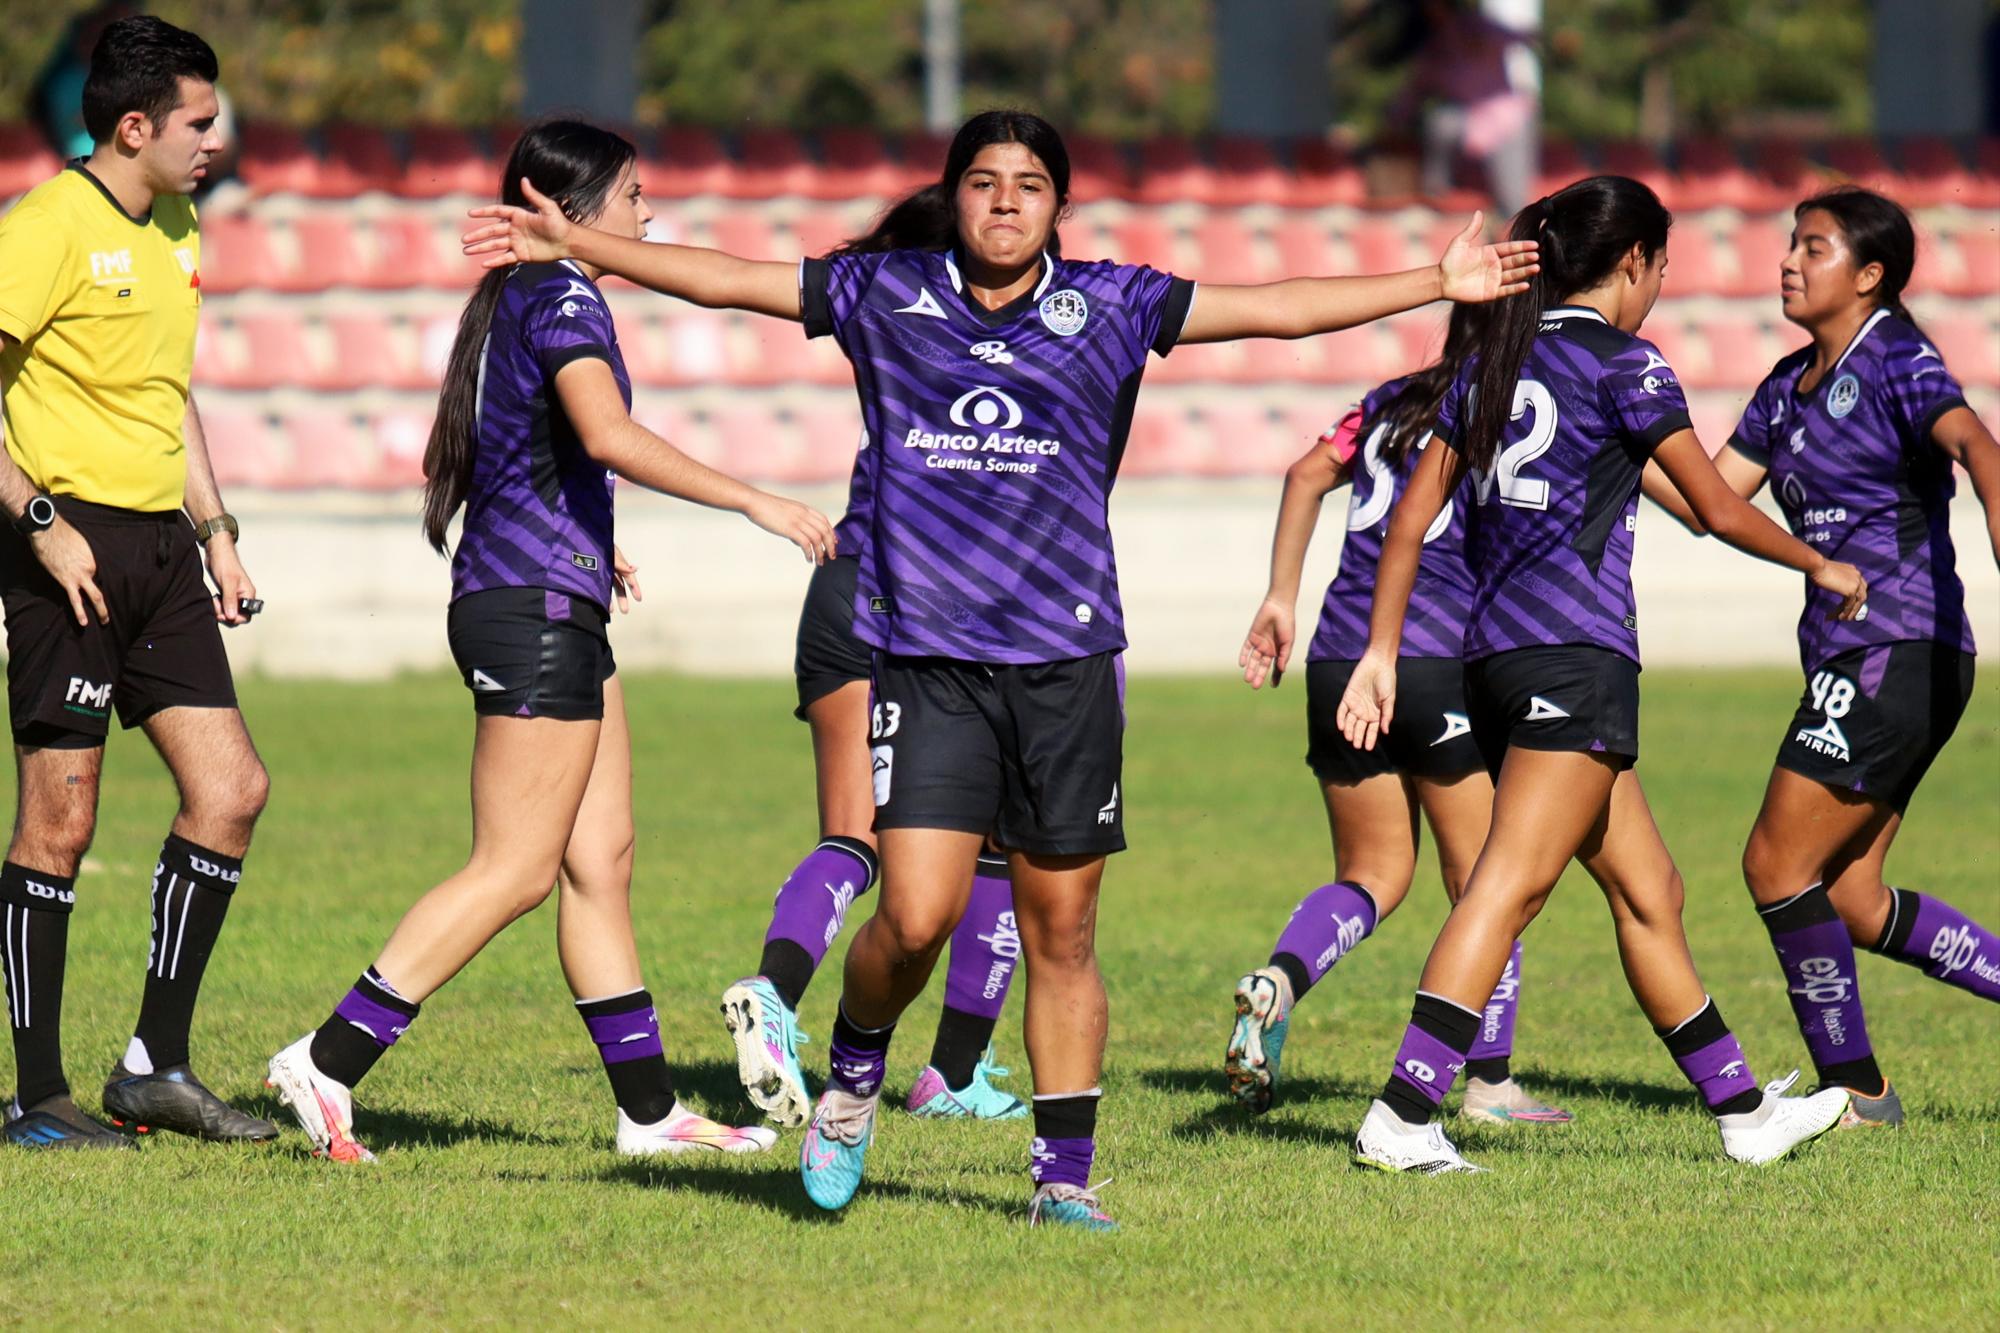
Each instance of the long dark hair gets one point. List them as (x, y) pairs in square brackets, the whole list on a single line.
[(928, 218), (1414, 408), (1878, 231), (575, 164), (1586, 230)]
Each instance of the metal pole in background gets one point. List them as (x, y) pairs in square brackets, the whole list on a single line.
[(941, 66), (1271, 67), (584, 57)]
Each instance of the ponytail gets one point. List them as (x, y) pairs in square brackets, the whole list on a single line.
[(1414, 408)]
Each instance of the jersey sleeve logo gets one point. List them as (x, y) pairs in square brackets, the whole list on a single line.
[(1842, 397), (1651, 382), (1065, 312), (576, 289)]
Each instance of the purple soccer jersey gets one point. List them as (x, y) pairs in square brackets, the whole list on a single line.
[(1434, 625), (538, 512), (1854, 469), (1549, 536), (992, 441)]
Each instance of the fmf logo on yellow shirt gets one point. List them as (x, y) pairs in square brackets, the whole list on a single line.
[(107, 265)]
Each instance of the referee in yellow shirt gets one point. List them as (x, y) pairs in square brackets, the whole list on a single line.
[(107, 484)]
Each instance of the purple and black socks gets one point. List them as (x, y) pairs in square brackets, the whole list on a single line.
[(1428, 1062), (34, 946), (1065, 1138), (809, 911), (1943, 942), (985, 954), (858, 1057), (1817, 956), (1709, 1055), (1490, 1060), (363, 1025), (626, 1030), (1323, 929)]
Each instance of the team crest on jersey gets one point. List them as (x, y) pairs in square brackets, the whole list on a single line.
[(1842, 397), (1064, 312)]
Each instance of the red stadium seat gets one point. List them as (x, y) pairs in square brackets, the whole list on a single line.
[(1979, 248), (1985, 192), (1380, 245), (1636, 158), (329, 253), (1161, 443), (242, 446), (1562, 163), (443, 161), (1970, 346), (1359, 356), (819, 232), (1687, 357), (1323, 175), (1786, 173), (277, 160), (1229, 251), (920, 159), (745, 233), (1419, 338), (1693, 265), (1172, 172), (1142, 238), (771, 163), (1242, 440), (359, 158), (1861, 161), (329, 448), (1304, 248), (1934, 173), (857, 164), (372, 351), (689, 161), (1737, 356), (400, 438), (26, 160), (411, 252), (1279, 361), (1247, 172), (1097, 170), (1710, 176), (238, 254), (1760, 246)]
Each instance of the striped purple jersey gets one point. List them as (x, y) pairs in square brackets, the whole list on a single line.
[(538, 512), (1854, 468), (1549, 538), (991, 442), (1434, 626)]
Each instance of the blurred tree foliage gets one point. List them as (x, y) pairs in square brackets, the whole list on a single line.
[(1118, 67)]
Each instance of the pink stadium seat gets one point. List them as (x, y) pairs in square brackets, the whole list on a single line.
[(1693, 265), (237, 254), (26, 160), (1304, 248), (1229, 251), (277, 353), (1710, 176), (1636, 158), (242, 446), (1159, 444), (1323, 174), (329, 253), (1359, 356), (445, 160), (771, 163), (856, 163), (1562, 163), (768, 353), (1934, 173), (1279, 361), (746, 234), (1419, 338), (1142, 238), (409, 251), (1970, 346), (1670, 337), (1380, 245), (400, 438), (1097, 170), (359, 158), (277, 160), (819, 232), (1760, 246), (1242, 440), (1979, 249), (1737, 357), (689, 161), (1172, 172), (372, 351), (1247, 172), (329, 448)]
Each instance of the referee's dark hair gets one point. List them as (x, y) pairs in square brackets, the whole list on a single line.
[(928, 220), (138, 65)]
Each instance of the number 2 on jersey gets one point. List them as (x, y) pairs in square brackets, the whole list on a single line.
[(1515, 489)]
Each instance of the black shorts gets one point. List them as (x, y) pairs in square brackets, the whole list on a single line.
[(529, 652), (1872, 720), (1032, 754), (1429, 737), (162, 649), (828, 655), (1567, 698)]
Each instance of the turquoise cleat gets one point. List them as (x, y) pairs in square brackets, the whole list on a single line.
[(1263, 1012), (933, 1099), (1068, 1206), (767, 1038), (836, 1147)]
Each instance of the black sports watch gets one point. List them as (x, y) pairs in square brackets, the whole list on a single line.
[(224, 522), (39, 516)]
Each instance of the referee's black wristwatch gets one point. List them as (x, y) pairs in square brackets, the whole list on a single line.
[(208, 527), (39, 516)]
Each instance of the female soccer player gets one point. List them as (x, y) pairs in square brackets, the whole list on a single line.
[(1373, 797), (1857, 432), (1554, 419), (997, 382), (535, 410)]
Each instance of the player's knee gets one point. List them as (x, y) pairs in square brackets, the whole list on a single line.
[(1764, 868), (57, 838), (1066, 943), (601, 871), (914, 931), (252, 794)]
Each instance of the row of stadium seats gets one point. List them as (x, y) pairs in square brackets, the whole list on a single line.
[(340, 161), (249, 345), (322, 248)]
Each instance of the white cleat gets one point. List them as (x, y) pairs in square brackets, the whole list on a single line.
[(1389, 1143), (767, 1039), (1781, 1123), (684, 1131), (323, 1108)]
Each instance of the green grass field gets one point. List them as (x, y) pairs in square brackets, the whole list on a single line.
[(499, 1202)]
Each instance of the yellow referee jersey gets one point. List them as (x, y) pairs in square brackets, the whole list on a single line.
[(102, 311)]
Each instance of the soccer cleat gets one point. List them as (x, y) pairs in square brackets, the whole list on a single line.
[(173, 1098), (1069, 1206), (1388, 1143), (1263, 1011), (684, 1131), (767, 1049), (57, 1122), (1884, 1111), (324, 1108), (836, 1147), (1507, 1102), (1781, 1123), (933, 1099)]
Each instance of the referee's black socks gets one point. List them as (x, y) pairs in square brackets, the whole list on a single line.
[(191, 890), (34, 940)]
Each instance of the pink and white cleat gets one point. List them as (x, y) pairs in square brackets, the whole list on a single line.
[(323, 1108), (684, 1131)]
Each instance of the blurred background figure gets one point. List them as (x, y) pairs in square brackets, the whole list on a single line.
[(56, 100), (1475, 81)]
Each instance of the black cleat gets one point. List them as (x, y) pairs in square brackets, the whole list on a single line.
[(173, 1098), (57, 1122)]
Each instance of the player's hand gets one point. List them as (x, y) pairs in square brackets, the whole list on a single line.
[(67, 556), (1473, 272), (1845, 581), (231, 581), (536, 235), (801, 525), (1369, 702), (624, 582), (1267, 648)]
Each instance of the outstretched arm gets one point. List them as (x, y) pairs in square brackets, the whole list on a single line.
[(1300, 307), (1966, 441), (591, 399), (706, 277)]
